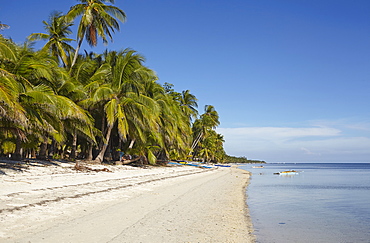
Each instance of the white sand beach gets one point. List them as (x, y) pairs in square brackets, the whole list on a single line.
[(52, 202)]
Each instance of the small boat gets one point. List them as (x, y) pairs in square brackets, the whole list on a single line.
[(223, 165), (183, 162), (192, 164), (260, 166), (173, 163), (287, 172)]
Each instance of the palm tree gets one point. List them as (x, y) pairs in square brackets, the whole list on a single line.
[(9, 83), (174, 133), (47, 113), (208, 121), (189, 104), (72, 87), (210, 118), (57, 41), (211, 147), (219, 152), (118, 95), (13, 117), (97, 19), (30, 88), (178, 111), (177, 128)]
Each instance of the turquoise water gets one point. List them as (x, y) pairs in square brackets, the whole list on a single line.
[(323, 203)]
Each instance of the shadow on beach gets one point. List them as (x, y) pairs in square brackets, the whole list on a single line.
[(8, 165)]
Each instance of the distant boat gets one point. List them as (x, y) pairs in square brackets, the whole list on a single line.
[(287, 172), (223, 165), (260, 166)]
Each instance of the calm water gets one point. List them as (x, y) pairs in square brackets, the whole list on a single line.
[(323, 203)]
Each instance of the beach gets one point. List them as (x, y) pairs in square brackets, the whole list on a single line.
[(54, 202)]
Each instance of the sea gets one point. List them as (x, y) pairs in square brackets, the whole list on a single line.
[(323, 202)]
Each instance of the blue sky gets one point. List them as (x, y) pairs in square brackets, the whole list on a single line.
[(290, 79)]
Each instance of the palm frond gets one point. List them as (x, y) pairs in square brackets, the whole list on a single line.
[(7, 49), (110, 111)]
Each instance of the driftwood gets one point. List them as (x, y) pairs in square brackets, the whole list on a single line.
[(128, 161), (81, 167)]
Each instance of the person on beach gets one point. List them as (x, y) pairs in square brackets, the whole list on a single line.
[(121, 155)]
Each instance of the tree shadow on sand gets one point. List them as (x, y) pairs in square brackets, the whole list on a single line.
[(7, 165)]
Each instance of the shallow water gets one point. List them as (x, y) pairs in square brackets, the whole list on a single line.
[(323, 203)]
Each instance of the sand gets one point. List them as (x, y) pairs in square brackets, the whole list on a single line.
[(52, 202)]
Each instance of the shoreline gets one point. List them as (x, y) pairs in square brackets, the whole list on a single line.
[(54, 203)]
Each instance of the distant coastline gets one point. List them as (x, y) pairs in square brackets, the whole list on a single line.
[(242, 160)]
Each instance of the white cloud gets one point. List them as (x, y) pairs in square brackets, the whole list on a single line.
[(277, 133), (307, 151), (296, 144)]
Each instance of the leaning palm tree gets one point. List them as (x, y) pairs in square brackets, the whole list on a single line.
[(9, 82), (97, 19), (189, 104), (211, 147), (172, 138), (208, 121), (57, 29), (219, 152), (30, 80), (175, 128), (72, 87), (13, 117), (210, 117)]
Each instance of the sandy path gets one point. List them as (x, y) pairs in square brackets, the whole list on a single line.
[(179, 204)]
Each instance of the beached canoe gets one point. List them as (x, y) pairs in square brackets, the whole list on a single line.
[(207, 166), (191, 164)]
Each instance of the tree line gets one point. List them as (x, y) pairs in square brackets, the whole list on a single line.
[(58, 102), (241, 160)]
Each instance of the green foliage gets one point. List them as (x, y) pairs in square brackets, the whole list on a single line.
[(97, 19), (7, 147), (54, 99), (233, 159), (57, 44)]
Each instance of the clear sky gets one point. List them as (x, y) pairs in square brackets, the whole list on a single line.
[(290, 79)]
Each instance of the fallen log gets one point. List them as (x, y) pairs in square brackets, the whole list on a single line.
[(81, 167), (128, 161)]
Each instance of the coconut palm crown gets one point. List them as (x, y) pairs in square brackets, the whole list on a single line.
[(97, 19), (57, 29)]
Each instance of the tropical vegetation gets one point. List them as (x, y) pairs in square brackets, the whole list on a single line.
[(234, 159), (57, 102)]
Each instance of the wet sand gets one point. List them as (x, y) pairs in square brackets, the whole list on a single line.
[(55, 203)]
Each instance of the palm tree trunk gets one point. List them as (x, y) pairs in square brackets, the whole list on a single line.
[(74, 146), (76, 52), (100, 156), (108, 153), (43, 150), (50, 149), (131, 144), (103, 130), (18, 150), (90, 152)]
